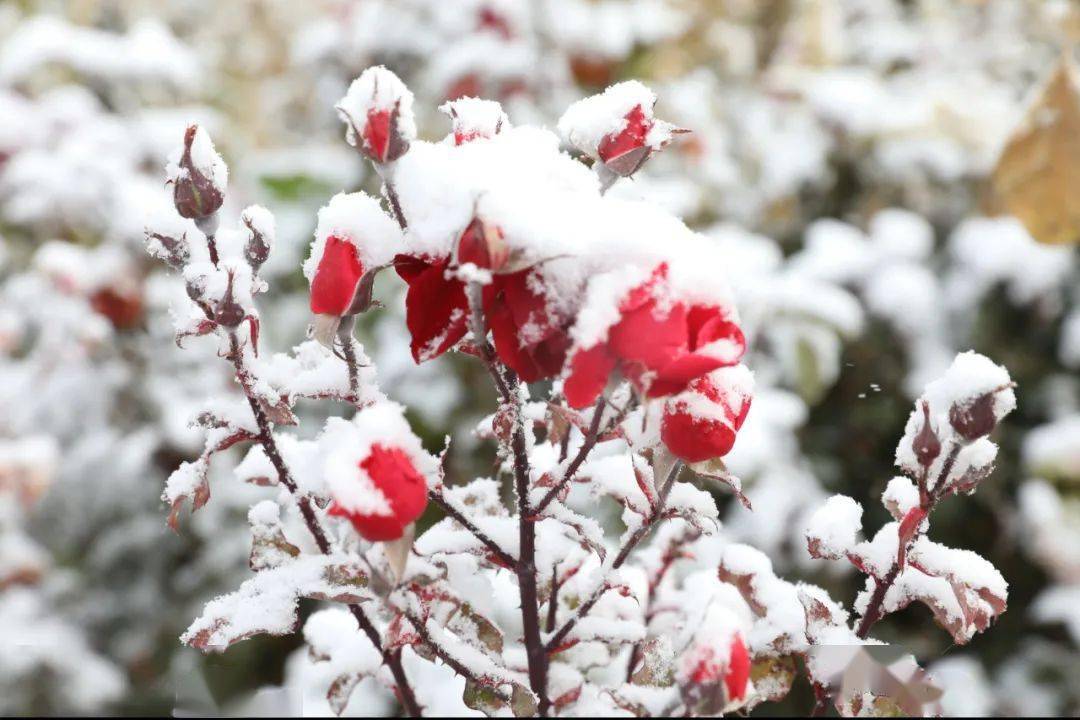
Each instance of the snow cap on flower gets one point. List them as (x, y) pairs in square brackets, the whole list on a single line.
[(376, 471), (354, 237), (474, 119), (701, 422), (617, 127), (198, 175), (378, 114)]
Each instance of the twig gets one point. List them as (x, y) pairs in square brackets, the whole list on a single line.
[(587, 445), (444, 504), (624, 553), (443, 654)]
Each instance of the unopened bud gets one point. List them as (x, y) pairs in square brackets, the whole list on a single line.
[(229, 312), (260, 225), (926, 444), (974, 419), (198, 176), (482, 245)]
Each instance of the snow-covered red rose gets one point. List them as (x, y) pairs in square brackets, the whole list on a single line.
[(658, 341), (378, 113), (617, 128), (473, 119), (376, 472), (701, 422), (714, 667), (354, 239)]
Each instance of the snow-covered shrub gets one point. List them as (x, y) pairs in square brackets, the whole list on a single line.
[(585, 576)]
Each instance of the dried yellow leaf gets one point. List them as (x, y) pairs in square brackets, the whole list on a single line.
[(1037, 175)]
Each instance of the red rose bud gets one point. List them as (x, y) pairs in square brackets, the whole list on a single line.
[(229, 313), (260, 225), (338, 287), (628, 108), (377, 111), (475, 119), (701, 423), (198, 176), (404, 488), (713, 666), (974, 419), (926, 444), (482, 245)]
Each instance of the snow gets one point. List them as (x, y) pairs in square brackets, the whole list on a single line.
[(204, 158), (344, 445), (473, 117), (835, 526)]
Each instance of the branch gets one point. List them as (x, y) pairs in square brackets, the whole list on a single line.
[(590, 441), (454, 664), (444, 504), (624, 552), (303, 502), (526, 564)]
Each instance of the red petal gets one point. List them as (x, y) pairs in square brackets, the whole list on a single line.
[(436, 310), (512, 306), (630, 138), (394, 474), (377, 134), (738, 672), (650, 336), (334, 284), (589, 372)]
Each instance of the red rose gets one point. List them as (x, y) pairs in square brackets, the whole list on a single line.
[(712, 667), (658, 343), (526, 338), (333, 288), (392, 472), (700, 423), (378, 111)]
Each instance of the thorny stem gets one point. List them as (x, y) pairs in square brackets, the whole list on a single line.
[(507, 385), (624, 552), (553, 600), (269, 444), (392, 658)]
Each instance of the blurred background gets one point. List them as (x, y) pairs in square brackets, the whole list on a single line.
[(895, 181)]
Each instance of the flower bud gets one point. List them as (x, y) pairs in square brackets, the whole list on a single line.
[(974, 419), (377, 111), (198, 176), (926, 444), (617, 128), (701, 423), (392, 474), (260, 225), (483, 245), (229, 313)]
